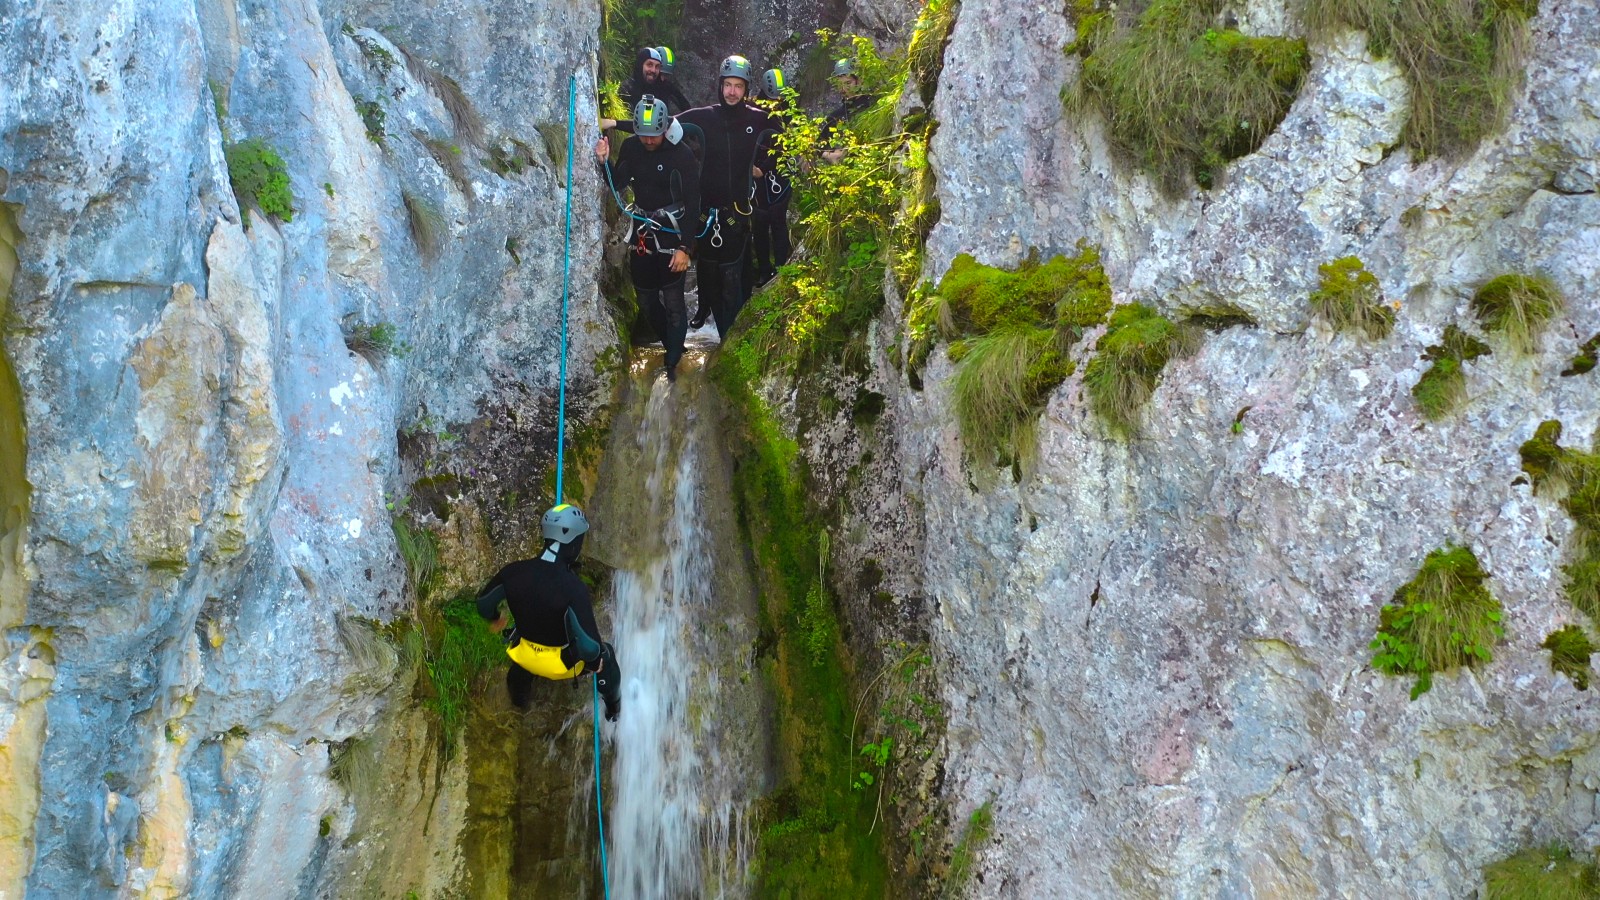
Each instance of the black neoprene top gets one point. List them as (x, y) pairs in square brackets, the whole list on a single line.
[(661, 177), (539, 594), (732, 145)]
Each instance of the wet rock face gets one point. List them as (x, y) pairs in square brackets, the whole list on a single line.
[(1156, 652), (208, 460)]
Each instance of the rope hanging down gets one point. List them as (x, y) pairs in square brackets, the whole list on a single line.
[(561, 436)]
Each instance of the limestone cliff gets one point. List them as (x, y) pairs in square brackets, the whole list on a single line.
[(203, 401)]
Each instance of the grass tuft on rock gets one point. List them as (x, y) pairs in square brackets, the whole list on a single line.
[(1018, 327), (260, 178), (1443, 618), (1001, 386), (1127, 364), (1518, 306), (980, 827), (1462, 59), (1348, 298), (462, 651), (1570, 649), (426, 224), (1550, 873), (1182, 97), (1443, 387)]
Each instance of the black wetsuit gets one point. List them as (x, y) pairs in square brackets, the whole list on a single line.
[(539, 593), (770, 239), (664, 179), (734, 136), (842, 114)]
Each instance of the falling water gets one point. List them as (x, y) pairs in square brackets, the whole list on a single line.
[(685, 755)]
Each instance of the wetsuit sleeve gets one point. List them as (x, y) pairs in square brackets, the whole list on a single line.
[(625, 126), (490, 597), (686, 189)]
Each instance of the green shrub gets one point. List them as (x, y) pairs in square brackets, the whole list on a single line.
[(1460, 57), (1349, 298), (419, 548), (1517, 306), (376, 341), (1570, 650), (1584, 360), (462, 651), (259, 178), (1443, 618), (1443, 387), (1544, 459), (1547, 874), (1127, 364), (373, 117), (965, 852), (925, 52), (1181, 97)]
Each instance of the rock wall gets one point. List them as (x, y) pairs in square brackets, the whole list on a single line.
[(1155, 652), (211, 467)]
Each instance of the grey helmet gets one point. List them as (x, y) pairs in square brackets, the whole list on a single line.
[(655, 54), (668, 61), (772, 84), (650, 119), (737, 67), (843, 67), (563, 524)]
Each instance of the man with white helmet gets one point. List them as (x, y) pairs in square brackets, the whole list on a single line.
[(554, 634), (663, 218)]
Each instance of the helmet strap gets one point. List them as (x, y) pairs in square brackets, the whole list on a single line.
[(551, 551)]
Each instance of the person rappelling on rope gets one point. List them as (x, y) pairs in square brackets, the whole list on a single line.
[(666, 190), (554, 634)]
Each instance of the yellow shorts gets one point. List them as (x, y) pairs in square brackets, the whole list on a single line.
[(543, 661)]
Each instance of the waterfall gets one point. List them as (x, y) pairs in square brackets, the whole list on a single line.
[(683, 763)]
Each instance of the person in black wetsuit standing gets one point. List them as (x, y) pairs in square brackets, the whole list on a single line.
[(649, 77), (666, 191), (734, 133), (554, 635), (852, 101), (771, 217)]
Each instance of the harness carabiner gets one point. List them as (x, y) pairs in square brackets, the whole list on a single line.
[(716, 234)]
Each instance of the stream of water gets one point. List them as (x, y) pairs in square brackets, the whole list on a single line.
[(685, 757)]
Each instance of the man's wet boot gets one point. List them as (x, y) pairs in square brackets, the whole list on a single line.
[(609, 681)]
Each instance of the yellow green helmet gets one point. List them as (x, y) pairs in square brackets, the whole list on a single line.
[(668, 61), (772, 84)]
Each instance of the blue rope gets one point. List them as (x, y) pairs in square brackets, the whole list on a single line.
[(599, 795), (566, 269)]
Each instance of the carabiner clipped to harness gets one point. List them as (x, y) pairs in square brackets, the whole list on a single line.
[(716, 234), (773, 185)]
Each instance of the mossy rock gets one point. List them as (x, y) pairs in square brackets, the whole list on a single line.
[(1550, 873), (1001, 385), (1069, 290), (1350, 299), (1443, 618), (1128, 362), (1583, 362), (1542, 454), (1443, 387)]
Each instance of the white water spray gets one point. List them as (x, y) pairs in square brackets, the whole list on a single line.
[(676, 822)]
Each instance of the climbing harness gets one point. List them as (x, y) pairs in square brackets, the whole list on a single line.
[(561, 432), (715, 224)]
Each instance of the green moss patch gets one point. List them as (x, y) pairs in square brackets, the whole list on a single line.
[(1461, 58), (1348, 298), (260, 178), (1128, 362), (1443, 387), (1517, 306), (1570, 649), (1583, 361), (1181, 97), (460, 651), (816, 836), (1574, 476), (1542, 874), (1442, 619), (1018, 326)]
